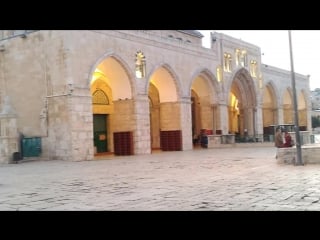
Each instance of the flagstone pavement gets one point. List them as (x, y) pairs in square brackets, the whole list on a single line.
[(226, 179)]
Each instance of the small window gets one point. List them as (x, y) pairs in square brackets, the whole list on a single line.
[(253, 68), (227, 65), (140, 65)]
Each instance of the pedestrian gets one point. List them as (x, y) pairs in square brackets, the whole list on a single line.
[(203, 139), (278, 140), (246, 138), (287, 139)]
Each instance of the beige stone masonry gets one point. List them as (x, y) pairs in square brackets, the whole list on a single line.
[(309, 152)]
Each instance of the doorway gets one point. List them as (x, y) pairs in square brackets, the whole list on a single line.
[(100, 132)]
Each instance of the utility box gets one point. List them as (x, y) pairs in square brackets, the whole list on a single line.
[(31, 147)]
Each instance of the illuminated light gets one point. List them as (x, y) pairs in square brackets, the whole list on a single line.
[(238, 56), (138, 74), (219, 74), (140, 65), (97, 74), (253, 68), (236, 105)]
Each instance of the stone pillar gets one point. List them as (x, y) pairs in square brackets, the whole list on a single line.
[(309, 122), (280, 116), (250, 121), (81, 127), (224, 118), (142, 140), (186, 123), (259, 121), (9, 136)]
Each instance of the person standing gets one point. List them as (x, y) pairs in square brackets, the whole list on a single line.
[(203, 139), (287, 139), (278, 140)]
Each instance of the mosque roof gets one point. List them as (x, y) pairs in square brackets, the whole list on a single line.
[(192, 32)]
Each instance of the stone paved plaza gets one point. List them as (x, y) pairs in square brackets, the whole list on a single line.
[(228, 179)]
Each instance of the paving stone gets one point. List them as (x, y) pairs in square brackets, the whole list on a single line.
[(244, 179)]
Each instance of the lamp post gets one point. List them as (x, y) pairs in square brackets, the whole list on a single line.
[(298, 161)]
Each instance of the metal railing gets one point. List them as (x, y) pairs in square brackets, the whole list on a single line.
[(254, 138)]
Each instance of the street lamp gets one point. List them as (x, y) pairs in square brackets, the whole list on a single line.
[(298, 161)]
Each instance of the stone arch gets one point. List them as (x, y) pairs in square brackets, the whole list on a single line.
[(287, 105), (213, 83), (302, 102), (274, 90), (177, 91), (270, 107), (124, 66), (113, 76), (165, 113), (154, 116), (242, 104), (246, 84), (203, 90)]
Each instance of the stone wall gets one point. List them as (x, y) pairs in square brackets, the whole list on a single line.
[(9, 139), (309, 154)]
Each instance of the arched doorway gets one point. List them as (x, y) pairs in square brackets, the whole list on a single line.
[(102, 108), (302, 112), (269, 112), (203, 98), (113, 106), (242, 105), (288, 116), (154, 110), (165, 125), (195, 115)]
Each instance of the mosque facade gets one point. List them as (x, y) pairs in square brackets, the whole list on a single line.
[(81, 93)]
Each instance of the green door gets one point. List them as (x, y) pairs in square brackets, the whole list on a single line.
[(31, 147), (100, 132)]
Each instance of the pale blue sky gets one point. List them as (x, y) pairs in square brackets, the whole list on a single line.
[(274, 45)]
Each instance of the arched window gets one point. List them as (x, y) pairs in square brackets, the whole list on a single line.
[(253, 68), (227, 66), (140, 65), (99, 97)]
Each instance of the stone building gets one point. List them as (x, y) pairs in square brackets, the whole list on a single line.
[(132, 91)]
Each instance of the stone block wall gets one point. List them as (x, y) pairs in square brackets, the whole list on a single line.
[(170, 116), (9, 139), (309, 153)]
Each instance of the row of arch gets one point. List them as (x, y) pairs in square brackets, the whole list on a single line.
[(245, 104)]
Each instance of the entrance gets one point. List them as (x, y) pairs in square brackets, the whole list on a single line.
[(100, 132)]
